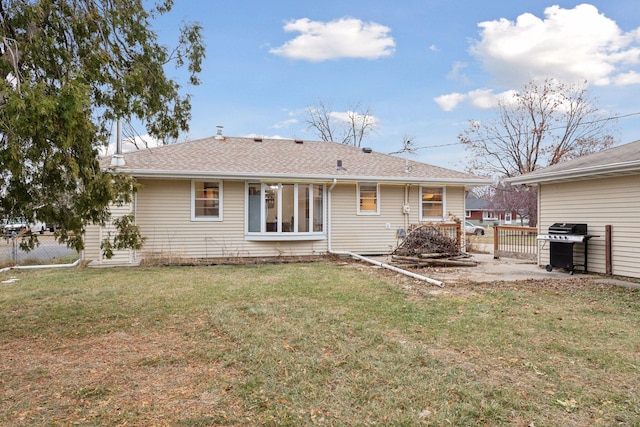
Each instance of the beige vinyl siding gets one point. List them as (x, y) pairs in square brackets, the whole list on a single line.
[(455, 203), (377, 234), (164, 218), (91, 238), (597, 202), (163, 213), (370, 233), (94, 234)]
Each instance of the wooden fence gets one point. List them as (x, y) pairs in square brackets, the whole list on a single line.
[(452, 231), (515, 242)]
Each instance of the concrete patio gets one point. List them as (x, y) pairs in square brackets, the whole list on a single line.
[(509, 270)]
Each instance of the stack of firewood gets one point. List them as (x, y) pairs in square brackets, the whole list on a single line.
[(425, 246)]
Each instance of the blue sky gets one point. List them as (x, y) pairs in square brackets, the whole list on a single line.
[(424, 68)]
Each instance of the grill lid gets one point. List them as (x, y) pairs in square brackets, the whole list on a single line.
[(567, 228)]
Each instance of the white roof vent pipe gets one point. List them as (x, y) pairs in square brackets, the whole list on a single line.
[(219, 133)]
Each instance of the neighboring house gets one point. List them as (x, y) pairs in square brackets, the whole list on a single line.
[(481, 212), (245, 197), (600, 190)]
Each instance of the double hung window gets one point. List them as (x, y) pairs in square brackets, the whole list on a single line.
[(206, 200), (433, 203), (368, 197)]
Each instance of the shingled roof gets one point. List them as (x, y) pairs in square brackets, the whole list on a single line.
[(616, 161), (249, 158)]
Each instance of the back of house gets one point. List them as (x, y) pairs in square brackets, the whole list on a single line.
[(224, 197)]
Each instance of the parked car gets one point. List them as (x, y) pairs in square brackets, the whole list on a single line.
[(15, 226), (470, 228)]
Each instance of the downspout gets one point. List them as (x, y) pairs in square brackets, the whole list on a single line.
[(369, 260), (34, 267), (405, 213), (335, 181)]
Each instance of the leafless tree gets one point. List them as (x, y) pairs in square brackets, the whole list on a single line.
[(519, 199), (547, 123), (350, 127)]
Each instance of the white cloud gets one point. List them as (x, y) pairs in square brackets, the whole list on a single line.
[(629, 78), (138, 142), (456, 72), (483, 99), (349, 116), (342, 38), (285, 123), (569, 44), (257, 135), (450, 101), (434, 48)]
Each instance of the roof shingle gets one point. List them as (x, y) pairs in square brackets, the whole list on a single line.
[(246, 157)]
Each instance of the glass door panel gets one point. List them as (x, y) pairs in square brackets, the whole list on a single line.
[(303, 208), (271, 200), (288, 208)]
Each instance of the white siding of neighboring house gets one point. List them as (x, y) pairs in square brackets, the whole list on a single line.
[(597, 202)]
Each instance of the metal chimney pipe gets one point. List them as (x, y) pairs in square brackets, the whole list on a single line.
[(118, 137), (117, 159)]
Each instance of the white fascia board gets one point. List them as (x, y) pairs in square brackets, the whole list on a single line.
[(578, 173)]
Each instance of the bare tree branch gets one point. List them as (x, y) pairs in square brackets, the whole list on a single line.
[(351, 127), (408, 146), (547, 123)]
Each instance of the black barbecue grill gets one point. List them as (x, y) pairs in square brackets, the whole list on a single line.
[(561, 238)]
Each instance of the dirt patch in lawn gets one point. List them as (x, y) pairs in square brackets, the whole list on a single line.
[(126, 375)]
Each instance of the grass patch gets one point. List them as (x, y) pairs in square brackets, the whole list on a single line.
[(312, 344)]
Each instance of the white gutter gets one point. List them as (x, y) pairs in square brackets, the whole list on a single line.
[(159, 173), (577, 173), (35, 267), (369, 260)]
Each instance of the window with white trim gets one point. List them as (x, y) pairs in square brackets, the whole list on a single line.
[(489, 215), (206, 200), (368, 199), (432, 203), (285, 208)]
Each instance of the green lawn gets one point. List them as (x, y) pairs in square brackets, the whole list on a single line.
[(312, 344)]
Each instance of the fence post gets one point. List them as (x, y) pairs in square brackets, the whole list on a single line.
[(496, 240), (14, 248), (607, 250)]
